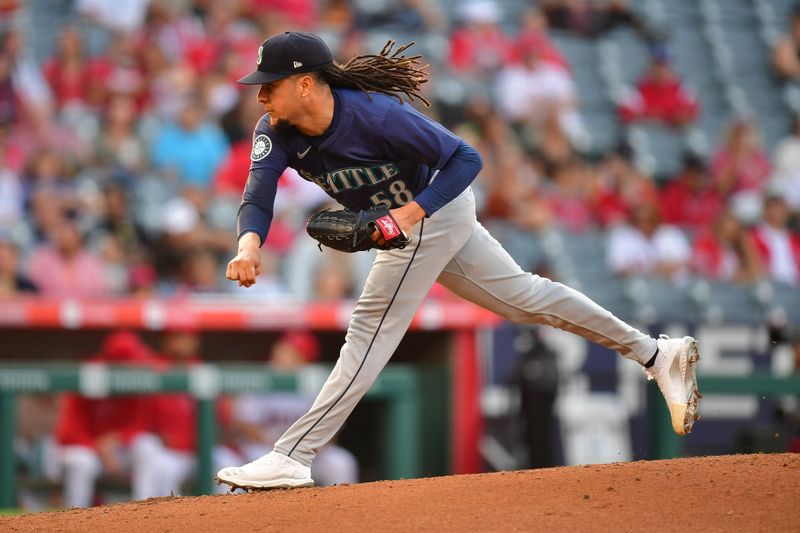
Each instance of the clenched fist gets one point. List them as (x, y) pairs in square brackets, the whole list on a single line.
[(247, 264)]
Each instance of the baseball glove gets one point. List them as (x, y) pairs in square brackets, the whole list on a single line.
[(350, 231)]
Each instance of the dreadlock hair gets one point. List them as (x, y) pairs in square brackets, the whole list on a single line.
[(388, 72)]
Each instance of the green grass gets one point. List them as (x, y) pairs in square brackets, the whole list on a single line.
[(11, 512)]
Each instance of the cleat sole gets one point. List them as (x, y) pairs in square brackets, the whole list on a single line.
[(693, 403), (269, 485)]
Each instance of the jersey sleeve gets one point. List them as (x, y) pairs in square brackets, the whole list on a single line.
[(411, 136), (452, 179), (268, 159)]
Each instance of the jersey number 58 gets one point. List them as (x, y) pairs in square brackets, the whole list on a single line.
[(400, 195)]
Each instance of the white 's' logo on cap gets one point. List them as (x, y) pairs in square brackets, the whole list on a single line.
[(260, 54), (297, 64)]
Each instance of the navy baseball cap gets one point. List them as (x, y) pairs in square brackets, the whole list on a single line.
[(288, 53)]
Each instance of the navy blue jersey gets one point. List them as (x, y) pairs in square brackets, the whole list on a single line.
[(377, 152)]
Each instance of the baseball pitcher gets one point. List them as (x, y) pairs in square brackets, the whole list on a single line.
[(404, 182)]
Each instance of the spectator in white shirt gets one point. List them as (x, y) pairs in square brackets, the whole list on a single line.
[(124, 16), (779, 247), (646, 247), (786, 177), (530, 91), (11, 197)]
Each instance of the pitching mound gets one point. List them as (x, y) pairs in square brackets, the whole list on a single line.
[(743, 492)]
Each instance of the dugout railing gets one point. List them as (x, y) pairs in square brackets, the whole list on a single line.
[(397, 386), (67, 329)]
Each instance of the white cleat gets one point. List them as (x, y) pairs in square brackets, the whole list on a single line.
[(272, 471), (674, 372)]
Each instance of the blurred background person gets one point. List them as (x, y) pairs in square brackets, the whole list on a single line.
[(537, 379), (478, 46), (533, 35), (726, 251), (592, 18), (332, 280), (12, 192), (620, 186), (690, 200), (108, 436), (786, 51), (119, 148), (786, 177), (173, 417), (65, 268), (568, 196), (76, 80), (660, 96), (24, 91), (646, 247), (191, 147), (403, 16), (530, 92), (12, 281), (777, 243), (739, 163)]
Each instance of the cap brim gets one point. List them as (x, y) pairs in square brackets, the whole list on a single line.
[(257, 78)]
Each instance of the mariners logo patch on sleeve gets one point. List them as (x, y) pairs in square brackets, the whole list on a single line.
[(262, 146)]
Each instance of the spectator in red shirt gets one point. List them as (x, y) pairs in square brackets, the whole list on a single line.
[(690, 200), (725, 251), (778, 245), (108, 435), (568, 196), (480, 47), (74, 79), (131, 70), (740, 164), (532, 37), (620, 187), (660, 96)]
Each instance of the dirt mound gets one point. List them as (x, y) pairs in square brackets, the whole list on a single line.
[(742, 492)]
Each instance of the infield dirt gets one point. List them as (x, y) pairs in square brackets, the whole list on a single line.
[(724, 493)]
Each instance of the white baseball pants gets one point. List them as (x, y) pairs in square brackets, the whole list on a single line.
[(454, 248)]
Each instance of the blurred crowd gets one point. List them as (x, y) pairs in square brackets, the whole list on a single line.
[(124, 153)]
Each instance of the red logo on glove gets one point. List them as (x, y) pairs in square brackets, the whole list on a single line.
[(388, 227)]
